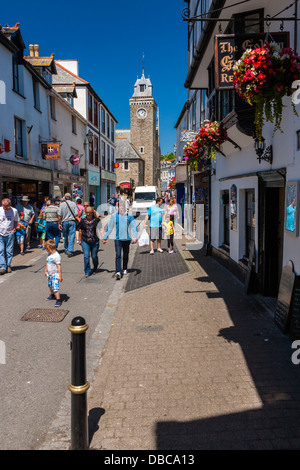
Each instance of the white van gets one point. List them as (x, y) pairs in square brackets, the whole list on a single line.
[(143, 198)]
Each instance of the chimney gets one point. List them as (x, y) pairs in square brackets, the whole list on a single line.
[(31, 53), (36, 50)]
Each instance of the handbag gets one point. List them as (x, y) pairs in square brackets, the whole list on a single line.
[(77, 219)]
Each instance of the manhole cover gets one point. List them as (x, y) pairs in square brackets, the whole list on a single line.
[(145, 329), (45, 315)]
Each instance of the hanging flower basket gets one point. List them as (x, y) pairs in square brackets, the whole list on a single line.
[(263, 76), (194, 154), (210, 136)]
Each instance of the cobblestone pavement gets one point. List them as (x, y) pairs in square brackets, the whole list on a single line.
[(191, 363)]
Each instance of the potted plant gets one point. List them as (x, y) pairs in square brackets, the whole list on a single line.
[(263, 76)]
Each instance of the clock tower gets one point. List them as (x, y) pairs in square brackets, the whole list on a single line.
[(144, 130)]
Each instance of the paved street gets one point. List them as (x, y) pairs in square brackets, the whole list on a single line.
[(37, 370), (190, 363)]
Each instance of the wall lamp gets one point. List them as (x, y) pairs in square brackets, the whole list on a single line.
[(262, 152), (90, 136)]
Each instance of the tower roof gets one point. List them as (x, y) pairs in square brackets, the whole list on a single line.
[(142, 87)]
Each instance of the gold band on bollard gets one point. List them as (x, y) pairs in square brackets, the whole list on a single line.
[(78, 329), (79, 389)]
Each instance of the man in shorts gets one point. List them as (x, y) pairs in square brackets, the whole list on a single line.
[(155, 215)]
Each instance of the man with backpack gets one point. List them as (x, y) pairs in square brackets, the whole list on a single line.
[(67, 213)]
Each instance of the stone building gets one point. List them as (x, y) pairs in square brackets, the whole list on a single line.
[(141, 140)]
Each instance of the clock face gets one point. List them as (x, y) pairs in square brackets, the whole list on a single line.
[(141, 113)]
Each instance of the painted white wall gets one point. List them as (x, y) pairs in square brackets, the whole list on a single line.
[(23, 108)]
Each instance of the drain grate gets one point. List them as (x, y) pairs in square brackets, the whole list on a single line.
[(45, 315), (146, 329)]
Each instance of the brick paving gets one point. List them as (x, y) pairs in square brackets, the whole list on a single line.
[(148, 269), (193, 363)]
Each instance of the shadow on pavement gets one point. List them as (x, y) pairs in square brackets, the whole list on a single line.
[(271, 423)]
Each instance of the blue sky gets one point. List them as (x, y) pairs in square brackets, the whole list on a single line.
[(109, 39)]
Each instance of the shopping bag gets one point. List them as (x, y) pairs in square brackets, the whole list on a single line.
[(144, 238)]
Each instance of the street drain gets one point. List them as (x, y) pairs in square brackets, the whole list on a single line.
[(45, 315), (145, 329)]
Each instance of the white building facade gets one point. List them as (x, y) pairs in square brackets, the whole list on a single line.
[(247, 197), (24, 122)]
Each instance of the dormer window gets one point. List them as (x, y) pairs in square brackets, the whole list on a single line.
[(142, 88)]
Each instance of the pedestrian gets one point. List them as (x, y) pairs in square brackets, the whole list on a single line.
[(170, 232), (89, 240), (125, 231), (29, 214), (67, 213), (172, 210), (53, 271), (112, 203), (127, 204), (156, 216), (41, 230), (46, 198), (51, 217), (85, 206), (8, 223), (20, 232), (92, 199), (80, 209)]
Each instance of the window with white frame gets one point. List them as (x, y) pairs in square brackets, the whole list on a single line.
[(19, 135), (36, 93)]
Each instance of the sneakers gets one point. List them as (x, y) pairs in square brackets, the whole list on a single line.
[(171, 251), (8, 269), (2, 271), (160, 250), (124, 271), (118, 276), (51, 297), (58, 303), (152, 252)]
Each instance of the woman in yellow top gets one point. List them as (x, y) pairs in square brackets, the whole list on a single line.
[(170, 232)]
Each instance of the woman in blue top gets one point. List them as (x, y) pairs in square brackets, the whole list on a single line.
[(123, 223)]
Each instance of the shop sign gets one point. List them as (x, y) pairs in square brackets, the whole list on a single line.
[(94, 178), (51, 151), (125, 185), (230, 47), (186, 135), (75, 159)]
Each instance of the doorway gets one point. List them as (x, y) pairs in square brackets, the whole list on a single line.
[(271, 237)]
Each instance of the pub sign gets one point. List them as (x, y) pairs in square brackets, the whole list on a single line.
[(230, 47), (51, 151)]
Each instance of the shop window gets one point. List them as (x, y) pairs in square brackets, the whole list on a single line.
[(250, 219)]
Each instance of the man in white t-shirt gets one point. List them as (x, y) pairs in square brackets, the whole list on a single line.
[(8, 224)]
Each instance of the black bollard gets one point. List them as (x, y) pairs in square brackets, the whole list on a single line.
[(78, 386)]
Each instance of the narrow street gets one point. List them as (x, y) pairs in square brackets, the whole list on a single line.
[(37, 370), (191, 362)]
